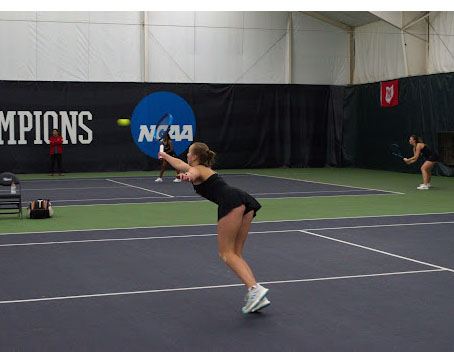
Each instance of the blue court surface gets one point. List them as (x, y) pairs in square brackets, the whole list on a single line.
[(115, 190), (348, 284)]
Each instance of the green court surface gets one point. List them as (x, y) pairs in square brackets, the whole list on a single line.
[(438, 199)]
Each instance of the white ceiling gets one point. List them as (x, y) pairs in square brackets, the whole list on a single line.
[(350, 18)]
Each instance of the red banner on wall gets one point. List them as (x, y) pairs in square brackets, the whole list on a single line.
[(389, 95)]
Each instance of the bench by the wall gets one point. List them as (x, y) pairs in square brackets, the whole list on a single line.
[(10, 203)]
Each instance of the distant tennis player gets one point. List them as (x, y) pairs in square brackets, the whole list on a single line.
[(419, 148), (236, 210), (168, 148)]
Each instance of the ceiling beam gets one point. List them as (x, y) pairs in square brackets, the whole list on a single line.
[(416, 20), (328, 20), (391, 17)]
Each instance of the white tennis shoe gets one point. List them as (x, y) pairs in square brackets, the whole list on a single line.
[(253, 297), (428, 185), (423, 187), (158, 179), (176, 180), (262, 304)]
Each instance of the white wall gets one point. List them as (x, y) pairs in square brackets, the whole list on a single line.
[(201, 47), (441, 42), (416, 39), (219, 47), (320, 53), (70, 46), (379, 53)]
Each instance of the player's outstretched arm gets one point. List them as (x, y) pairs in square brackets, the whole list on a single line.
[(190, 176), (176, 163), (416, 155)]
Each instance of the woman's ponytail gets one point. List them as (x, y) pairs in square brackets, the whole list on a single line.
[(205, 155)]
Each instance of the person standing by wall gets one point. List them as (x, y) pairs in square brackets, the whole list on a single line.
[(56, 151)]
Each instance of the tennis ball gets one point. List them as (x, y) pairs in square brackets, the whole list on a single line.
[(123, 122)]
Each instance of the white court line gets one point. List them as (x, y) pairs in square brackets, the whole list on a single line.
[(69, 188), (211, 287), (215, 234), (72, 179), (109, 199), (140, 188), (326, 183), (75, 179), (254, 222), (376, 250), (299, 192), (107, 239), (137, 238), (383, 225), (303, 192)]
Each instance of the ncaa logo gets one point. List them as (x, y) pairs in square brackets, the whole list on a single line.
[(150, 110)]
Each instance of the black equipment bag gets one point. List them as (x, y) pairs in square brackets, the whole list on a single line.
[(40, 209)]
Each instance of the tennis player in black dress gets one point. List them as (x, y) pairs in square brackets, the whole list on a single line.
[(419, 148), (236, 209), (168, 148)]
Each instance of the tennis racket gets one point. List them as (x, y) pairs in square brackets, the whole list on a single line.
[(162, 129), (395, 150)]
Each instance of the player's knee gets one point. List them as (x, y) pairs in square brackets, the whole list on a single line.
[(238, 253), (226, 255), (223, 256)]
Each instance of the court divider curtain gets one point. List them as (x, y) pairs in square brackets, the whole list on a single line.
[(425, 109)]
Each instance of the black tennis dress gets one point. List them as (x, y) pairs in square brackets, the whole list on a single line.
[(429, 154), (226, 197), (167, 150)]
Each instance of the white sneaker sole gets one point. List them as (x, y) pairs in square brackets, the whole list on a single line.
[(259, 298), (262, 304)]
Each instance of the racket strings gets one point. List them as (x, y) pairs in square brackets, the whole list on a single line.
[(163, 127), (395, 150)]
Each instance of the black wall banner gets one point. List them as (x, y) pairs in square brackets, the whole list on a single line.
[(425, 108), (248, 126)]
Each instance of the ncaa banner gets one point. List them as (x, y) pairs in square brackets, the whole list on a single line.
[(389, 95), (150, 110)]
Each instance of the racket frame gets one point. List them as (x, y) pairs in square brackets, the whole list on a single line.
[(155, 136), (397, 151)]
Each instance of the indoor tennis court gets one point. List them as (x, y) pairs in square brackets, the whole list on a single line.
[(383, 279), (160, 171)]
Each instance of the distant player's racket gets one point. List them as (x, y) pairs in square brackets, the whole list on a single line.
[(162, 129), (395, 150)]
